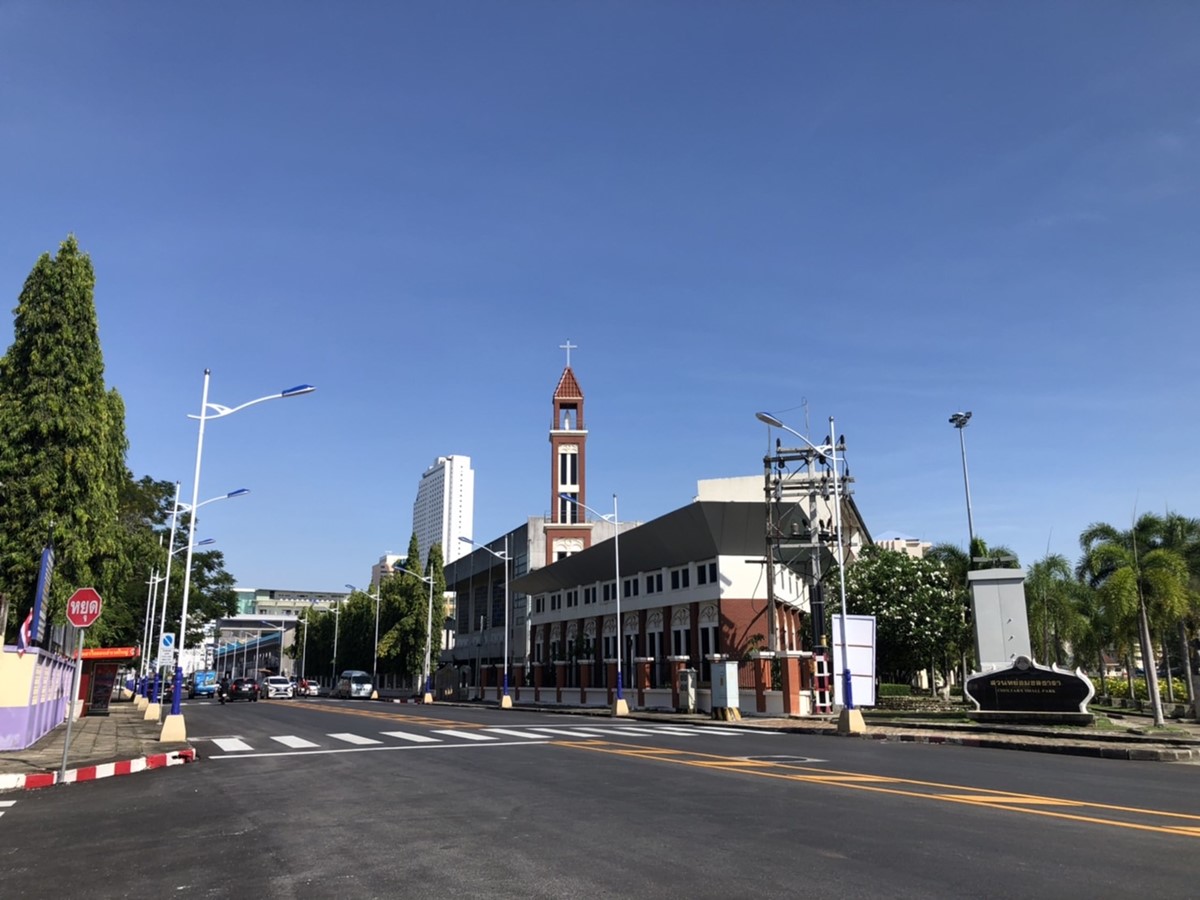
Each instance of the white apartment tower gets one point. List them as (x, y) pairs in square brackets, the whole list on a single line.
[(444, 509)]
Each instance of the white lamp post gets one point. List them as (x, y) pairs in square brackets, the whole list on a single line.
[(427, 677), (174, 728), (505, 699), (176, 509), (375, 658), (620, 705), (337, 619), (154, 708), (851, 719)]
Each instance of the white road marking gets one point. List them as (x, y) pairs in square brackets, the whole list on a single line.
[(574, 732), (415, 738), (465, 735), (512, 732), (231, 745), (354, 738), (629, 729), (296, 743)]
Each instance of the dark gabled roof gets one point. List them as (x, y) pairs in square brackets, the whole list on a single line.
[(695, 532)]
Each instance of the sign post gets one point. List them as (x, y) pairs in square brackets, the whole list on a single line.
[(83, 609)]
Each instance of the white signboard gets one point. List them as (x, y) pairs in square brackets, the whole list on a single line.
[(166, 652), (859, 656)]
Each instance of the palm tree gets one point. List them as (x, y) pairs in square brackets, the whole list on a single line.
[(1052, 595), (1182, 535), (1136, 581)]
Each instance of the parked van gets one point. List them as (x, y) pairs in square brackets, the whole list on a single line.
[(354, 684)]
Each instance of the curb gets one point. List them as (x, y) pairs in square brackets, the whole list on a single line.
[(33, 780), (1148, 754)]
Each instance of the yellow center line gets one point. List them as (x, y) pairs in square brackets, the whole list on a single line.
[(1008, 801)]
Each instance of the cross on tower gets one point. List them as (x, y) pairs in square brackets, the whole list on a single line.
[(568, 346)]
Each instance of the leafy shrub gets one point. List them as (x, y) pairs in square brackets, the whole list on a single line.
[(1118, 688), (894, 690)]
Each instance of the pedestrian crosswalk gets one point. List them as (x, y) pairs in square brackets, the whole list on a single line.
[(464, 736)]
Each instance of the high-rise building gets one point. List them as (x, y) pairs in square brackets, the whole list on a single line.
[(444, 509)]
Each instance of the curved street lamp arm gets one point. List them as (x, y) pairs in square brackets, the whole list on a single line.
[(218, 410)]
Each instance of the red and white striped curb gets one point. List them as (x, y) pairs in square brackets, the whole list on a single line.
[(30, 780)]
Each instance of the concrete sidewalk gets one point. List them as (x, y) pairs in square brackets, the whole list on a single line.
[(117, 744), (123, 742)]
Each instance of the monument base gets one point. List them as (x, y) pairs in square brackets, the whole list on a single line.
[(1026, 693)]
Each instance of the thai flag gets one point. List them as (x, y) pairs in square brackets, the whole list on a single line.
[(23, 634)]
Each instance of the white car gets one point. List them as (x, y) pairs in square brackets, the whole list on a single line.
[(277, 686)]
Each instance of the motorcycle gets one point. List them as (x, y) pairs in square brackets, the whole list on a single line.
[(221, 695)]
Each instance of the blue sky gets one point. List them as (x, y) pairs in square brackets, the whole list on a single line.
[(884, 213)]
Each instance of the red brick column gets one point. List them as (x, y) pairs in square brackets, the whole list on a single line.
[(518, 679), (585, 679), (762, 679), (560, 675), (610, 679), (791, 683), (499, 675), (643, 664), (538, 675)]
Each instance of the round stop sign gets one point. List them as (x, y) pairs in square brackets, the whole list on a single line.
[(84, 607)]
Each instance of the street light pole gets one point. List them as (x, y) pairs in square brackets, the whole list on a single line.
[(959, 420), (174, 728), (337, 618), (375, 661), (426, 675), (505, 699), (851, 720), (620, 705)]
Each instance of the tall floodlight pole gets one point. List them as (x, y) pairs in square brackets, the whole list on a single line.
[(959, 420), (174, 728), (620, 705), (851, 719), (505, 699)]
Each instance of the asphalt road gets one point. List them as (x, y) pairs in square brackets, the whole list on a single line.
[(320, 798)]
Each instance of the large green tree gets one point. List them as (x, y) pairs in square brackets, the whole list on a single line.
[(918, 617), (62, 440)]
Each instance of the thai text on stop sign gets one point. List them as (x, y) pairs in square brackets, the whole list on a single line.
[(86, 609)]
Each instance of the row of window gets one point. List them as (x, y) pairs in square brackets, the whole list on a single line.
[(706, 573), (650, 645)]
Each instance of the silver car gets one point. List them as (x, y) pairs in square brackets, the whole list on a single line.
[(354, 684), (277, 686)]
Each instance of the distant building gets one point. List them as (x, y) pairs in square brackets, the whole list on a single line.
[(912, 546), (281, 602), (383, 568), (444, 509), (693, 584)]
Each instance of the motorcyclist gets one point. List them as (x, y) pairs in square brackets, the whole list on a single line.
[(223, 688)]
